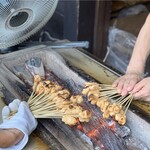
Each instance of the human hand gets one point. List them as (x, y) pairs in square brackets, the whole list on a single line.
[(126, 83), (142, 90), (11, 108), (23, 120)]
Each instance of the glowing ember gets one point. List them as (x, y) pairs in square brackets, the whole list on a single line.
[(79, 125), (93, 133)]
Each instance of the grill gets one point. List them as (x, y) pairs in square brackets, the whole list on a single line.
[(72, 67)]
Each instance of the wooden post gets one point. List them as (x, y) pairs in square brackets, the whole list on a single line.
[(101, 27)]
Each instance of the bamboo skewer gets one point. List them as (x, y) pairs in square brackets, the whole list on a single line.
[(129, 103), (108, 100), (54, 102)]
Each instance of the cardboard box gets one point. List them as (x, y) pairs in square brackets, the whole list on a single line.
[(131, 24)]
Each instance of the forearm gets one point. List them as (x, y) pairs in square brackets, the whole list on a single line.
[(10, 137), (141, 49)]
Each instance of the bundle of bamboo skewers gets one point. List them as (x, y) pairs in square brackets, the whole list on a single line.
[(50, 100), (108, 100)]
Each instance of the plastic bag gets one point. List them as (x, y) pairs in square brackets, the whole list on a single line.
[(120, 47)]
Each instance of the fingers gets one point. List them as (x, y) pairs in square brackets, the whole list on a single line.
[(132, 84), (142, 93), (115, 84), (14, 105), (27, 114), (139, 94), (123, 85), (124, 91), (5, 112), (138, 86), (142, 89), (23, 107), (17, 101), (119, 84), (126, 83)]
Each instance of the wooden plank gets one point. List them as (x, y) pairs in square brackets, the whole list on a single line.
[(36, 143), (55, 132)]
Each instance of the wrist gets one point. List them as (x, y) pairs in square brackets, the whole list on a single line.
[(139, 74), (16, 134), (134, 70), (10, 137)]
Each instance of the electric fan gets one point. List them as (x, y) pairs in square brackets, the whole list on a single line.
[(19, 19)]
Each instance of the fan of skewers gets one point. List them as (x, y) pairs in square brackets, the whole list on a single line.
[(108, 100), (50, 100)]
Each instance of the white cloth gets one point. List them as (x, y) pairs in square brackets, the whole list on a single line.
[(23, 120)]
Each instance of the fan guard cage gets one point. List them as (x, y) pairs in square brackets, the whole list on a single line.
[(20, 19)]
